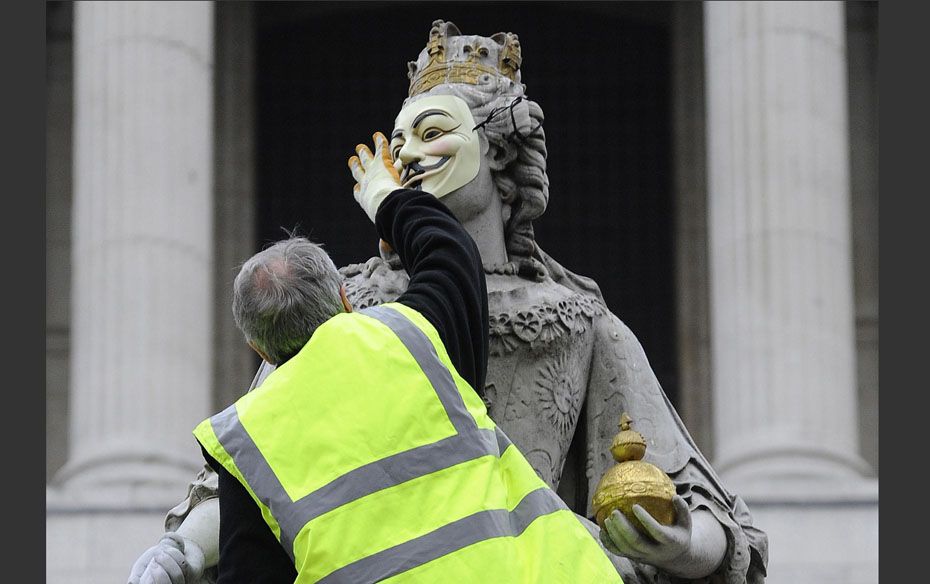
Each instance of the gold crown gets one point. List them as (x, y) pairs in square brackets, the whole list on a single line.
[(450, 57)]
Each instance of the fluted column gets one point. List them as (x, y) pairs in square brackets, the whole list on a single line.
[(780, 251), (142, 244)]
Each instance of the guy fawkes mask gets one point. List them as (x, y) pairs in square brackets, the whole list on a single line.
[(434, 146)]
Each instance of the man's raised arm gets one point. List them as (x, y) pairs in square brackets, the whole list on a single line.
[(447, 283)]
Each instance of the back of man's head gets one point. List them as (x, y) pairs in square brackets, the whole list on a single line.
[(283, 293)]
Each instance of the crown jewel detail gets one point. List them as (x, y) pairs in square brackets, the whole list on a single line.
[(451, 57)]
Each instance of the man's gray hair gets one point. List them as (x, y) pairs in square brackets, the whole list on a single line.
[(283, 293)]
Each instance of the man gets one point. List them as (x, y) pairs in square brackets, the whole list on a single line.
[(367, 455)]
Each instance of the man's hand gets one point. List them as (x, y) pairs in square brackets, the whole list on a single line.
[(375, 174), (173, 560), (663, 546)]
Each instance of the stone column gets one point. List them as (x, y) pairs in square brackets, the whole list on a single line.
[(782, 313), (142, 248), (783, 337)]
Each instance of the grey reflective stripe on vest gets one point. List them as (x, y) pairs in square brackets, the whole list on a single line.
[(448, 539), (502, 441), (470, 443), (394, 470), (355, 484), (256, 472), (424, 352)]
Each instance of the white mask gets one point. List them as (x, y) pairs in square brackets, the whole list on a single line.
[(434, 146)]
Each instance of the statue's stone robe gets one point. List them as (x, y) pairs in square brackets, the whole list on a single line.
[(562, 369)]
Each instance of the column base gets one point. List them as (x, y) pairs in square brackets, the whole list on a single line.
[(124, 480), (804, 491), (742, 468)]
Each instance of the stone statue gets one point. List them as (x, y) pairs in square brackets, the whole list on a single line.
[(562, 365)]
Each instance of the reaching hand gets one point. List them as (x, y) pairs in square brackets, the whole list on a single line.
[(663, 546), (375, 174), (173, 560)]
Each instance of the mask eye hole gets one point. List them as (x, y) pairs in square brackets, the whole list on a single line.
[(432, 134)]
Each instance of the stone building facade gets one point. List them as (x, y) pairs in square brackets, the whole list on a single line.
[(152, 198)]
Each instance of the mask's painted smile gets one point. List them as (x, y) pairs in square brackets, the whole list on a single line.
[(416, 172)]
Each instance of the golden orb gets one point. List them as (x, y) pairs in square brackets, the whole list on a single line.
[(633, 481)]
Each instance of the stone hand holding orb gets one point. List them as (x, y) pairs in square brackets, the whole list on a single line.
[(636, 507)]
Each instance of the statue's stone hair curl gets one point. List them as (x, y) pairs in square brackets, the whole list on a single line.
[(518, 166)]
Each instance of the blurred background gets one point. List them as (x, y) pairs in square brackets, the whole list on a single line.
[(713, 167)]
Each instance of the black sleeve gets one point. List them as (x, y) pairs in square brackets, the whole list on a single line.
[(249, 551), (447, 283)]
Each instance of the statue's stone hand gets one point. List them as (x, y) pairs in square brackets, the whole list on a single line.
[(139, 566), (173, 560), (663, 546)]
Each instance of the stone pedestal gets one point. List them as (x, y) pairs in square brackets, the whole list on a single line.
[(782, 315), (830, 539), (93, 546), (142, 263)]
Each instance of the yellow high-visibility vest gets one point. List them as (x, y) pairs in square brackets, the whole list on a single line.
[(372, 460)]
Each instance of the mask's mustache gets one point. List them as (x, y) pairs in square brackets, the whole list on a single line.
[(415, 169)]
